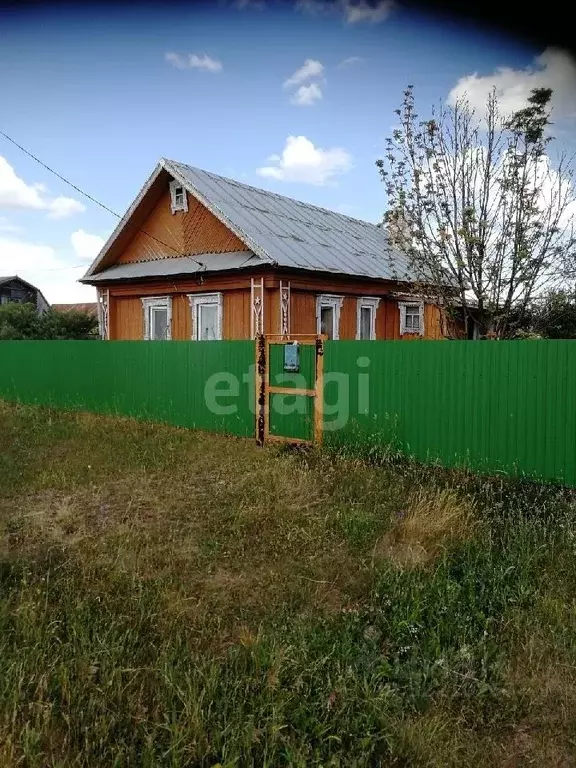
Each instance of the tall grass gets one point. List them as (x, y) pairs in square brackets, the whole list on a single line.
[(240, 607)]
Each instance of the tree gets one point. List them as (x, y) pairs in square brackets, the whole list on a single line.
[(19, 321), (484, 218), (22, 321), (554, 315)]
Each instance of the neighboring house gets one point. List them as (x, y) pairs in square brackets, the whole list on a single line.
[(90, 308), (15, 290), (198, 256)]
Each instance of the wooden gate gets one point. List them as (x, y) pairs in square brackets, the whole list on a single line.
[(289, 388)]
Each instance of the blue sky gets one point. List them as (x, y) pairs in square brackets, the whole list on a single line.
[(101, 95)]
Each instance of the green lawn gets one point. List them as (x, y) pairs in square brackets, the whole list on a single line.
[(172, 598)]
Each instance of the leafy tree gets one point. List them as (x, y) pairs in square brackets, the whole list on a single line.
[(477, 207), (22, 321), (69, 325), (554, 316), (19, 321)]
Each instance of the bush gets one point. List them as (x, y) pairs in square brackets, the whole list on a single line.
[(23, 321)]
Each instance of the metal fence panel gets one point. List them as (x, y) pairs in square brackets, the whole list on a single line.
[(207, 385), (492, 406)]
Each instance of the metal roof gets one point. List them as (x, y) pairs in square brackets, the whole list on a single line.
[(278, 230), (8, 278), (210, 262), (294, 234)]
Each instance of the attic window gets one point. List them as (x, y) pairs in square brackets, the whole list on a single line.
[(178, 197)]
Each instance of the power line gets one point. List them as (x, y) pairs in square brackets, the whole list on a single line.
[(94, 200)]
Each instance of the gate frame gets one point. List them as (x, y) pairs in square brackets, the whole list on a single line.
[(264, 389)]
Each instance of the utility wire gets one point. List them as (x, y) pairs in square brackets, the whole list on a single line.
[(94, 200)]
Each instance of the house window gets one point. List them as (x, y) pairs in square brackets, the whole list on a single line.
[(206, 316), (157, 318), (178, 197), (328, 315), (411, 317), (366, 318)]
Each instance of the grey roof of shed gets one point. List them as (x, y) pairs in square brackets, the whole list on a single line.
[(206, 262), (282, 231)]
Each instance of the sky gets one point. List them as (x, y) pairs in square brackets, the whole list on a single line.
[(295, 97)]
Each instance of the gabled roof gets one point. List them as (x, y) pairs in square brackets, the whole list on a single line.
[(41, 299), (282, 231)]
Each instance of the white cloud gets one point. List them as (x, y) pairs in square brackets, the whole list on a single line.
[(301, 161), (310, 68), (353, 11), (350, 62), (39, 265), (62, 207), (16, 193), (554, 69), (86, 246), (306, 95), (193, 61)]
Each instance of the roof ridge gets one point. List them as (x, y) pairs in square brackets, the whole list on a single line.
[(332, 212)]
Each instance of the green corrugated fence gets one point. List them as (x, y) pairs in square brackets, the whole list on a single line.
[(492, 406), (169, 381)]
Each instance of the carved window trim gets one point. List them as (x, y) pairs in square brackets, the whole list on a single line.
[(403, 306), (157, 302), (196, 301), (371, 303), (329, 300), (178, 197)]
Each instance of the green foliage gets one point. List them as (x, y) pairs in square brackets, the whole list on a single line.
[(22, 321), (555, 316)]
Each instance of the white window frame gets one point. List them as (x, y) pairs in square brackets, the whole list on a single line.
[(403, 305), (183, 206), (157, 302), (371, 303), (196, 299), (329, 300)]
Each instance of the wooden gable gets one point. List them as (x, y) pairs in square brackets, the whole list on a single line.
[(154, 232), (184, 233)]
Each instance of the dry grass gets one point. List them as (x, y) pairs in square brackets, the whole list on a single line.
[(231, 528), (432, 520), (177, 599)]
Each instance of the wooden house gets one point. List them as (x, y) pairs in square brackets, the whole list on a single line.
[(198, 256), (14, 290)]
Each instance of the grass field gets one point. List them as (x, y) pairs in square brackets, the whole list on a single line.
[(170, 598)]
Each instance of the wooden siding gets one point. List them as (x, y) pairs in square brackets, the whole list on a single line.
[(236, 315), (126, 318), (272, 311), (302, 312), (348, 318), (160, 224), (126, 314), (181, 318), (388, 320), (180, 233), (204, 233)]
